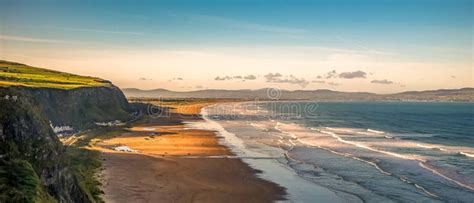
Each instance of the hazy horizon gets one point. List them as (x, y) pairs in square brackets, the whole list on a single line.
[(282, 89), (363, 46)]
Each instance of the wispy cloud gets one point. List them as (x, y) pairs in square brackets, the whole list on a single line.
[(292, 32), (330, 74), (29, 39), (236, 77), (272, 76), (101, 31), (247, 25), (90, 30), (288, 31), (384, 82)]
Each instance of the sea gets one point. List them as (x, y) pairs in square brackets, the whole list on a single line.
[(354, 151)]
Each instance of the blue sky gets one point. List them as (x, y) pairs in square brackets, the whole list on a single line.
[(378, 37)]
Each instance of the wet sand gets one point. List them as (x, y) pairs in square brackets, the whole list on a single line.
[(165, 168)]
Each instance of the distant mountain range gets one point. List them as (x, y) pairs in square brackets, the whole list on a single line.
[(459, 95)]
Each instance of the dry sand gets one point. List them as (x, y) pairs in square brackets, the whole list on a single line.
[(162, 170), (173, 140)]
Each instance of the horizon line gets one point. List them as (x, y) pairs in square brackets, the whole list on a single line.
[(179, 91)]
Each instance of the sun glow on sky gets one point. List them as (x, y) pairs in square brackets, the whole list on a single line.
[(375, 46)]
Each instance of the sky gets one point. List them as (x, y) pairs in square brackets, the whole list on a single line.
[(374, 46)]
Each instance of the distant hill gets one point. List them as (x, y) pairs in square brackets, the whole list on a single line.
[(464, 94)]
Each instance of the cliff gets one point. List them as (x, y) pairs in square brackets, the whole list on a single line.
[(34, 165), (81, 108)]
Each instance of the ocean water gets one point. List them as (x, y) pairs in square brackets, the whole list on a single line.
[(355, 152)]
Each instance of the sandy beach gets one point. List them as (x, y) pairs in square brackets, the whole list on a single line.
[(175, 164)]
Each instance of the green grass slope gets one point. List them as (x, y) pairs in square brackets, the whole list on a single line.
[(16, 74), (19, 183)]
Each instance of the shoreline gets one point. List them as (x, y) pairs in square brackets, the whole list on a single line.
[(174, 163), (273, 169), (324, 154)]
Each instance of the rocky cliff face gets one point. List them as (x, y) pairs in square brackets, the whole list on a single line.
[(27, 140), (81, 107)]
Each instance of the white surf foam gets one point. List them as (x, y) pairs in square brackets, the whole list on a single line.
[(370, 148), (375, 131), (431, 147), (446, 177), (467, 154)]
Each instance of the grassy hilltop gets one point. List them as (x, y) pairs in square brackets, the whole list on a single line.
[(16, 74)]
